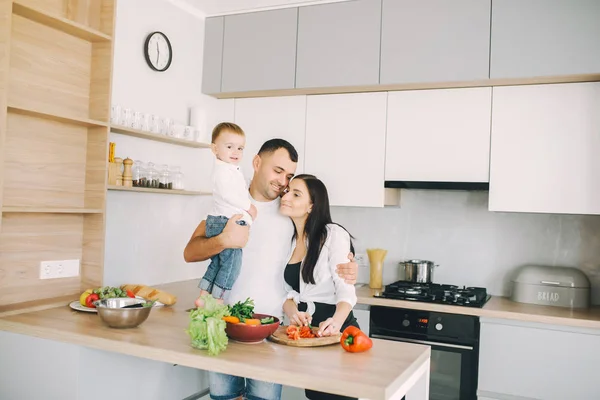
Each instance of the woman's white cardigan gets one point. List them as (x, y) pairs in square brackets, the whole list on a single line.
[(328, 288)]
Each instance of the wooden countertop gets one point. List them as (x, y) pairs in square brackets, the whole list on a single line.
[(496, 307), (376, 374)]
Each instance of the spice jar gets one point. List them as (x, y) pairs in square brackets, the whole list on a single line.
[(165, 178), (139, 174), (151, 176), (177, 178)]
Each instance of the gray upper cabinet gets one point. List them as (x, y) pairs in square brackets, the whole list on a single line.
[(533, 38), (435, 40), (259, 50), (213, 55), (338, 44)]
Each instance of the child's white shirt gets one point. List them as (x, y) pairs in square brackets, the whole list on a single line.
[(230, 192)]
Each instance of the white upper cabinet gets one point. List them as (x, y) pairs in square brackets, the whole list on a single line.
[(345, 146), (545, 149), (268, 118), (438, 135)]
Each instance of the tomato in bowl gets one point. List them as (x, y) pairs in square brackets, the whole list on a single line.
[(251, 331)]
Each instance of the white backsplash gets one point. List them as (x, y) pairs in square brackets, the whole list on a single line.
[(473, 246)]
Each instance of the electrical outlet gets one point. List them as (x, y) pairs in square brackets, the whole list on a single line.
[(59, 269)]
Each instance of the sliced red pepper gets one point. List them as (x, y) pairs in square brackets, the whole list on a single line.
[(130, 294), (355, 341)]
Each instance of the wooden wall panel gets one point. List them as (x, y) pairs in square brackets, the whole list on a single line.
[(100, 84), (49, 70), (95, 168), (45, 163), (92, 262), (28, 239), (107, 17), (5, 33)]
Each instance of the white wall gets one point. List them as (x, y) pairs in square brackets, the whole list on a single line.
[(146, 233), (473, 246)]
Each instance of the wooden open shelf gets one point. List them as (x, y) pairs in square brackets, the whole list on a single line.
[(56, 117), (51, 210), (55, 90), (159, 138), (160, 191), (62, 24)]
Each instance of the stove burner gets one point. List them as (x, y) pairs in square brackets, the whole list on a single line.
[(436, 293)]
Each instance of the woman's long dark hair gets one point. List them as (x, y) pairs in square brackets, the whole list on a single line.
[(315, 228)]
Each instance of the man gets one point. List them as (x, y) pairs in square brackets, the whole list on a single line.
[(265, 254)]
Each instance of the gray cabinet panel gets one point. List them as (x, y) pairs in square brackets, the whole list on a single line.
[(545, 38), (213, 55), (338, 44), (259, 50), (435, 40)]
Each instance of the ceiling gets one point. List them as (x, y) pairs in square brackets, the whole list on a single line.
[(218, 7)]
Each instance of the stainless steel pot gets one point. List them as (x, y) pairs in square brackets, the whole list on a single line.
[(418, 271)]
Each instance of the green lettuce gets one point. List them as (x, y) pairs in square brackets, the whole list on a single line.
[(207, 328)]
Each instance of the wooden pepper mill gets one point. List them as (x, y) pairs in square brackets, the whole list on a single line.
[(127, 175), (118, 171)]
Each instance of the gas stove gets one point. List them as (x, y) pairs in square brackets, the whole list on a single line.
[(436, 293)]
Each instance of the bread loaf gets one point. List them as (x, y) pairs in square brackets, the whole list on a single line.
[(152, 294)]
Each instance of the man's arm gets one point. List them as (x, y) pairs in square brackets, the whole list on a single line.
[(201, 248), (348, 271)]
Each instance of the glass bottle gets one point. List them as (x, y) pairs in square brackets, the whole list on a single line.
[(177, 178), (151, 176), (138, 174), (165, 178)]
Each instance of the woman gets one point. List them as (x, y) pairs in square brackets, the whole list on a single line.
[(316, 294)]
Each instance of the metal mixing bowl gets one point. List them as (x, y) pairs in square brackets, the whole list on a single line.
[(113, 314)]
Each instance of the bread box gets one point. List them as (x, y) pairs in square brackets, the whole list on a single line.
[(551, 286)]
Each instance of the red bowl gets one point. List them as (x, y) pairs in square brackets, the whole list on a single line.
[(252, 333)]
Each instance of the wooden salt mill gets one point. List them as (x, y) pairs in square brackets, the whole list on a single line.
[(119, 171), (127, 174)]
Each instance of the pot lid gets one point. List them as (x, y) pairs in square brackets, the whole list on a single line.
[(551, 276)]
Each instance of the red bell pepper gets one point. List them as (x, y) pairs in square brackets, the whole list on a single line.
[(355, 341), (89, 301), (130, 294)]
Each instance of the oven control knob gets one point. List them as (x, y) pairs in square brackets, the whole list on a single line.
[(405, 323), (439, 326)]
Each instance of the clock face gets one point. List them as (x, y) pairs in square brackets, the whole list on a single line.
[(158, 51)]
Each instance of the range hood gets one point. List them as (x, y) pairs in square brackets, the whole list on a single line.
[(481, 186)]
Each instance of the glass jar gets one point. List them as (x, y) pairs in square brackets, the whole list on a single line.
[(138, 174), (177, 178), (151, 176), (165, 178)]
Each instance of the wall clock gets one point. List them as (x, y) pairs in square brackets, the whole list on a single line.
[(158, 51)]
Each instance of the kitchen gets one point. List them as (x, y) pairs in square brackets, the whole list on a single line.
[(478, 238)]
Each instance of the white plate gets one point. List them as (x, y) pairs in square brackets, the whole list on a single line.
[(75, 305)]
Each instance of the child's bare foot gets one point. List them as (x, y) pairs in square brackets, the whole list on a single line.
[(219, 301), (199, 302)]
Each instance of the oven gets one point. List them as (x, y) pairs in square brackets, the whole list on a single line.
[(454, 341)]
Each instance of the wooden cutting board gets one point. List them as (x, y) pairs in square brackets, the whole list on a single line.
[(281, 337)]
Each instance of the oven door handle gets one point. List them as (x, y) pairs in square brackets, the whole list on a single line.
[(453, 346)]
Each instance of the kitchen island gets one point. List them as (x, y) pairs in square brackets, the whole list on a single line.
[(389, 370)]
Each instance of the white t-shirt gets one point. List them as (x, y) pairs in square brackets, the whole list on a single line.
[(230, 192), (264, 259)]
